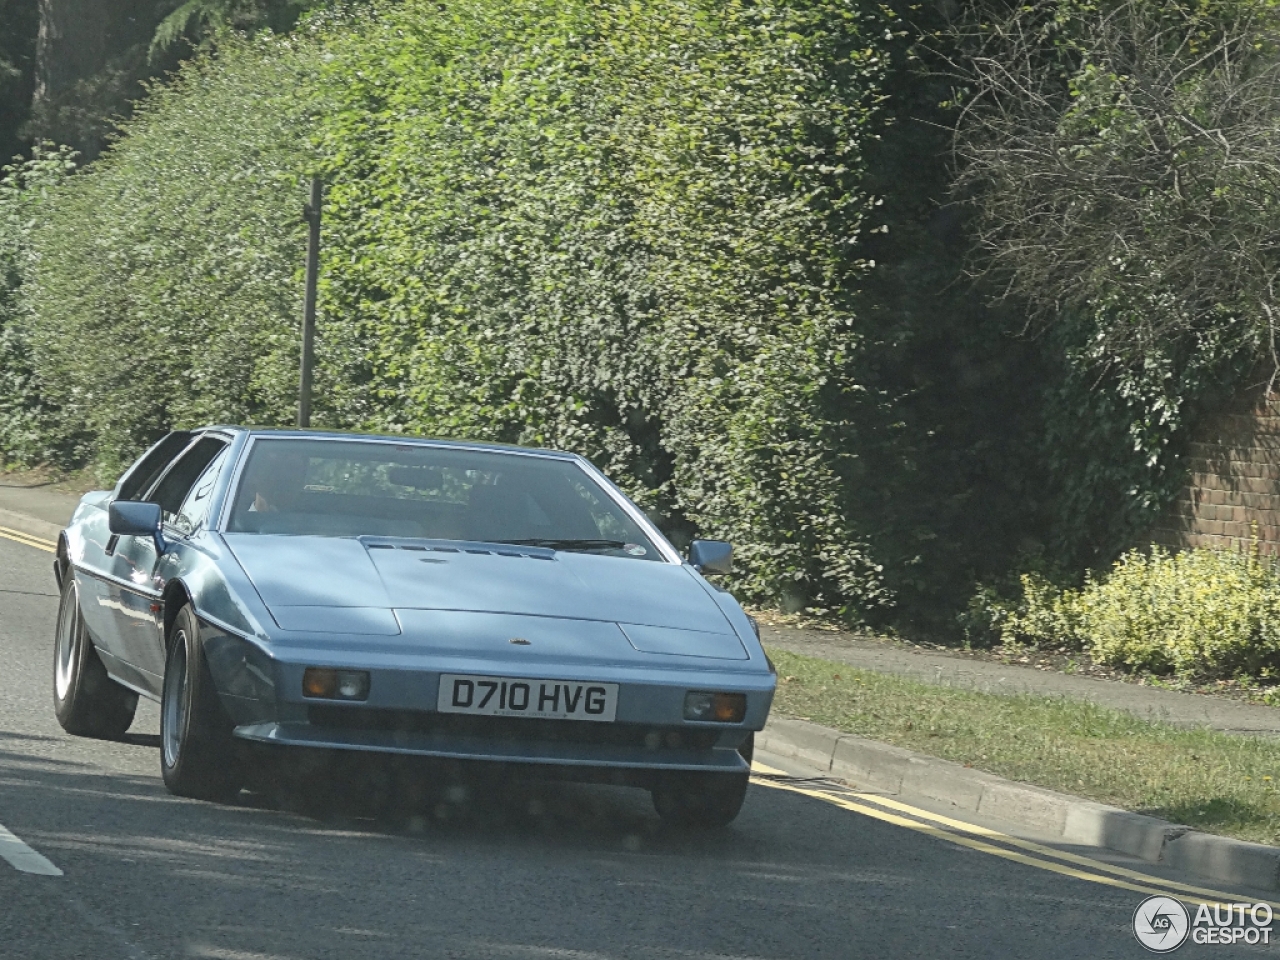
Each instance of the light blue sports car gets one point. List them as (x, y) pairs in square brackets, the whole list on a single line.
[(404, 596)]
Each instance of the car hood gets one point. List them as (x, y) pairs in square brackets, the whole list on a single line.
[(348, 585)]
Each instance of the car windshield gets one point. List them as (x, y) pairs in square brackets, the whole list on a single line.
[(356, 488)]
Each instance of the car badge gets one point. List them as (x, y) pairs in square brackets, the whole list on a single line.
[(520, 641)]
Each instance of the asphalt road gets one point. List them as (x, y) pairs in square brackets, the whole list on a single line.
[(545, 871)]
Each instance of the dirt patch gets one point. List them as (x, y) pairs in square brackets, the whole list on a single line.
[(73, 484)]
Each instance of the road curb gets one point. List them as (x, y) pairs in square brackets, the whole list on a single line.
[(30, 525), (885, 768)]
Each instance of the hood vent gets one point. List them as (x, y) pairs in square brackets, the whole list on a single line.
[(473, 550)]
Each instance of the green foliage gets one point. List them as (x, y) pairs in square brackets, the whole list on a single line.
[(945, 469), (642, 232), (89, 83), (163, 288), (89, 86), (1120, 158), (625, 230), (27, 418), (1114, 435), (19, 20), (199, 21), (1199, 613), (1044, 615)]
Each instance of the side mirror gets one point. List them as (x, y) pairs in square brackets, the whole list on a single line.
[(711, 556), (129, 518)]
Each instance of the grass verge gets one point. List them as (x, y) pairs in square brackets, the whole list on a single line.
[(1218, 782)]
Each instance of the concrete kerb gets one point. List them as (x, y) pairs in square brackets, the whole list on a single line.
[(30, 525), (888, 769)]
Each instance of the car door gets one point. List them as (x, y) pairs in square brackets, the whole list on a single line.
[(138, 575), (95, 559)]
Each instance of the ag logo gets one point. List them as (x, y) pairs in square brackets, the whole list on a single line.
[(1161, 924)]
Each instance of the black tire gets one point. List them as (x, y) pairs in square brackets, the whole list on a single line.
[(87, 702), (198, 755), (703, 801)]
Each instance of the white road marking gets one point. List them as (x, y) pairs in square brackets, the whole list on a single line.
[(23, 857)]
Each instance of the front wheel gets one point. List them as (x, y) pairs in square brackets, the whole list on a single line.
[(703, 800), (197, 750), (86, 701)]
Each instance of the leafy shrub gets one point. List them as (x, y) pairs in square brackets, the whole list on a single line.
[(642, 232), (27, 418), (1198, 613), (1043, 615), (626, 230), (163, 287)]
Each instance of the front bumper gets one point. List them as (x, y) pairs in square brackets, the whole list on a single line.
[(455, 747), (261, 688)]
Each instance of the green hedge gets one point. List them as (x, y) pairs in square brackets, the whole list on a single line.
[(165, 276), (1199, 613), (623, 229), (29, 423)]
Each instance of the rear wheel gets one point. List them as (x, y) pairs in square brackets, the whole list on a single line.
[(198, 756), (703, 800), (87, 702)]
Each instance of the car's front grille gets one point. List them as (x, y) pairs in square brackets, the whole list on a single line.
[(512, 729)]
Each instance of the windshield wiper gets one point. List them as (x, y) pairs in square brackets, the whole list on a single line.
[(566, 544)]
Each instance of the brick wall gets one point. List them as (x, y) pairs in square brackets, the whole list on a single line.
[(1233, 489)]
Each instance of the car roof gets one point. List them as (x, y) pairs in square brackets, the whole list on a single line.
[(279, 433)]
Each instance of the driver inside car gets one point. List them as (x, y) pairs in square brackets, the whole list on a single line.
[(276, 481)]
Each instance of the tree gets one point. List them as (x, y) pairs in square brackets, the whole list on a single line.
[(1123, 164), (18, 23), (91, 63), (95, 57), (197, 21)]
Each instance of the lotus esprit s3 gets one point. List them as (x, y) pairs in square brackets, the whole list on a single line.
[(404, 596)]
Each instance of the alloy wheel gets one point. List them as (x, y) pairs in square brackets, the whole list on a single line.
[(175, 699), (68, 644)]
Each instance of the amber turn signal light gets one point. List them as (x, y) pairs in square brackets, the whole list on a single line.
[(715, 707), (327, 684)]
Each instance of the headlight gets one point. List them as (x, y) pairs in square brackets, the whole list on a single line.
[(328, 684), (717, 707)]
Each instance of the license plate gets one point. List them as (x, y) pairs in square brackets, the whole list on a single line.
[(515, 697)]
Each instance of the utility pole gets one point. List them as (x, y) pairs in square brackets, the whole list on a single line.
[(312, 216)]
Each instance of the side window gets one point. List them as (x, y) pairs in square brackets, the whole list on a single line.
[(195, 509), (174, 486), (148, 468)]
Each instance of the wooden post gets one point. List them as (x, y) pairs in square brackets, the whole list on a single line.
[(312, 215)]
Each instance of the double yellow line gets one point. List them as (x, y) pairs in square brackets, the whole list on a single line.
[(993, 842), (27, 539)]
